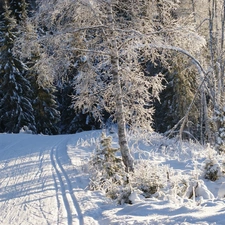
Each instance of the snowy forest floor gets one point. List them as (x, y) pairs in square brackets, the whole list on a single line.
[(44, 180)]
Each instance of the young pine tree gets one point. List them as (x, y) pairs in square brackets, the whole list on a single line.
[(15, 104), (107, 170)]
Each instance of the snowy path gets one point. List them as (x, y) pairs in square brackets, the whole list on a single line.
[(44, 179), (38, 183), (62, 182)]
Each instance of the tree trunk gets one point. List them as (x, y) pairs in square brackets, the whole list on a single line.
[(125, 151), (193, 9), (119, 111)]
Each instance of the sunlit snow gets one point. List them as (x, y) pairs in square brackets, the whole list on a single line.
[(44, 180)]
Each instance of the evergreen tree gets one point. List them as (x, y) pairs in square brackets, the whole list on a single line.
[(72, 121), (18, 8), (44, 102), (46, 114), (43, 97), (15, 104), (107, 169)]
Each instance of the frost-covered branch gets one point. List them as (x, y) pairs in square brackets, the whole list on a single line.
[(180, 50), (88, 50), (113, 36)]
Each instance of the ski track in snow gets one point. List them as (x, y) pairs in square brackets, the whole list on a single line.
[(70, 202), (35, 188), (44, 180)]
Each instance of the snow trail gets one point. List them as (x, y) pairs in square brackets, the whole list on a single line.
[(34, 185), (44, 180), (70, 202)]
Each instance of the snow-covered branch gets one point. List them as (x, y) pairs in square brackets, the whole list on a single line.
[(183, 51)]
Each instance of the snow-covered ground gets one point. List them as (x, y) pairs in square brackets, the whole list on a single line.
[(44, 180)]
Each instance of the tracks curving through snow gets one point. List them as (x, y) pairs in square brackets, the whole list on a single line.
[(42, 181), (67, 199)]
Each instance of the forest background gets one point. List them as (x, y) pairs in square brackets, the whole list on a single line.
[(39, 80)]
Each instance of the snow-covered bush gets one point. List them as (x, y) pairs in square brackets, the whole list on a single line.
[(213, 166), (25, 130), (213, 169), (107, 174), (197, 189), (148, 177), (106, 168)]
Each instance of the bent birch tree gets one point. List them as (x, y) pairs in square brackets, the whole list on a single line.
[(111, 39)]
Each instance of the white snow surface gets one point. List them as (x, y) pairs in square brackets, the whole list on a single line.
[(44, 181)]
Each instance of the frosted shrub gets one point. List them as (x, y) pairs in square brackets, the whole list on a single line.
[(213, 166), (148, 177), (213, 169)]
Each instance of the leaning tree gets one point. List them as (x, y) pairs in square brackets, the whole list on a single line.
[(111, 39)]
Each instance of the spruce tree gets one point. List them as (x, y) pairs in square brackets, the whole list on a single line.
[(43, 98), (72, 121), (44, 101), (18, 8), (46, 113), (15, 104)]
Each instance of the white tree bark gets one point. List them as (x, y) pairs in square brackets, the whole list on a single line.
[(124, 149), (119, 114), (113, 36)]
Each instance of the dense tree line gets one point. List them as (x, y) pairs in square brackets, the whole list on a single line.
[(73, 66), (25, 101)]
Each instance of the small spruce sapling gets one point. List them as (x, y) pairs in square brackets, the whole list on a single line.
[(213, 170), (219, 119), (213, 167), (108, 168), (108, 172)]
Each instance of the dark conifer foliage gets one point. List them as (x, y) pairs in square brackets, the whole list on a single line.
[(166, 115), (46, 114), (72, 121), (68, 114), (15, 104), (18, 8), (44, 101)]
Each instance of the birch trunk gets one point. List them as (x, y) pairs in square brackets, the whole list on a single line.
[(119, 114), (193, 9), (125, 151)]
